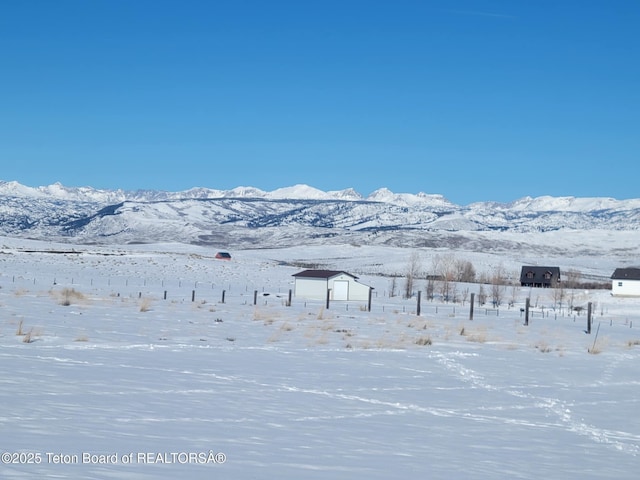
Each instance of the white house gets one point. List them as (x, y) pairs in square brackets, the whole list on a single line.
[(626, 282), (313, 284)]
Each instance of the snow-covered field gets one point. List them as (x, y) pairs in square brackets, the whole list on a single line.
[(102, 377)]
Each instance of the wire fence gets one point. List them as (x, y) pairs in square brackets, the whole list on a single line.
[(189, 290)]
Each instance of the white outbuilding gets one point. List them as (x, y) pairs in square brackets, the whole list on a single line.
[(625, 282), (314, 284)]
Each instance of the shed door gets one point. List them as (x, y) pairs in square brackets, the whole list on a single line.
[(341, 290)]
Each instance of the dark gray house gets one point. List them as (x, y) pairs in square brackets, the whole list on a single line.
[(540, 276)]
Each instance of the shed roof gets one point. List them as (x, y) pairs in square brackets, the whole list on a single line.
[(321, 273), (626, 274)]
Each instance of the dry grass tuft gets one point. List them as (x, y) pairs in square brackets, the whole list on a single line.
[(70, 295), (424, 341), (28, 338), (322, 340), (275, 336), (419, 325), (599, 344), (474, 335), (145, 304), (286, 327), (328, 326), (543, 347), (477, 338), (266, 317)]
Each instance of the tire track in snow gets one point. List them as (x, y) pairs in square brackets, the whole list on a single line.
[(622, 441)]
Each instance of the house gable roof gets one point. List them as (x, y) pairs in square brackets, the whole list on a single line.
[(321, 274), (626, 274), (538, 273)]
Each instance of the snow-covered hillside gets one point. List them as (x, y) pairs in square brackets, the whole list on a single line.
[(247, 217)]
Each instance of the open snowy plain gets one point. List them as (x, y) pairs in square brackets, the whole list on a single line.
[(124, 362)]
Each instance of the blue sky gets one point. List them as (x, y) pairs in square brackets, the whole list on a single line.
[(475, 100)]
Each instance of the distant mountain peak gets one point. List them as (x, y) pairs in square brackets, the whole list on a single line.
[(387, 196), (245, 192), (251, 217), (299, 192), (346, 194), (305, 192)]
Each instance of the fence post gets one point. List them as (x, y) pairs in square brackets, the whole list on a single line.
[(526, 311), (471, 306), (418, 304), (589, 318), (255, 297), (289, 301)]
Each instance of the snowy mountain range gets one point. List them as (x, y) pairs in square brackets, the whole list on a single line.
[(248, 217)]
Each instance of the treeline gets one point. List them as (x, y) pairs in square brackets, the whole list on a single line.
[(449, 277)]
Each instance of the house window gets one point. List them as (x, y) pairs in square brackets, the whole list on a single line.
[(619, 284), (547, 276), (529, 274)]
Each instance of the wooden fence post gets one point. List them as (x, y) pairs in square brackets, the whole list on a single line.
[(471, 306)]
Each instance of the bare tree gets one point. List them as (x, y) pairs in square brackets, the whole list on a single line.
[(573, 278), (515, 291), (465, 295), (394, 285), (558, 295), (483, 277), (430, 289), (444, 287), (413, 271), (482, 296), (445, 268), (497, 286), (572, 298), (464, 271), (453, 292)]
